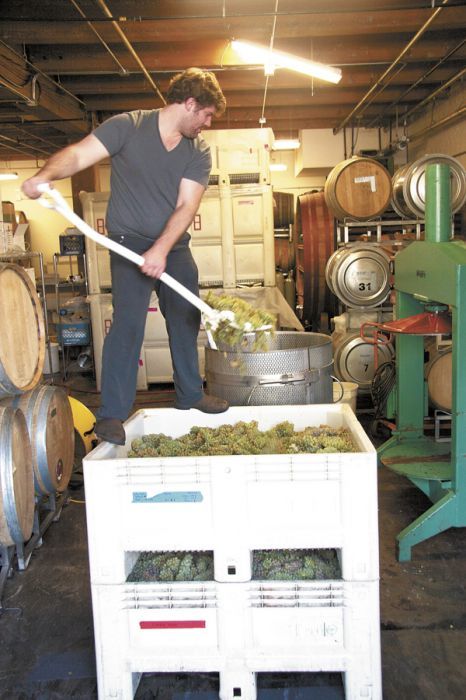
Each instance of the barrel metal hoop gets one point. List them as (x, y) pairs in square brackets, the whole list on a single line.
[(9, 503)]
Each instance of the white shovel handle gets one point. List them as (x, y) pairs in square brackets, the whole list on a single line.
[(60, 205)]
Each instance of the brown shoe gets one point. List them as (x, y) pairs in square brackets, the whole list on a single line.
[(110, 430), (208, 404)]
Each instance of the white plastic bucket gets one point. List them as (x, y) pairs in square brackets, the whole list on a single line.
[(345, 392)]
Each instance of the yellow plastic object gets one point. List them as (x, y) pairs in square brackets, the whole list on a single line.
[(83, 420)]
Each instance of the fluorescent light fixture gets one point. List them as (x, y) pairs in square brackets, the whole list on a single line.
[(285, 144), (278, 167), (262, 55), (8, 175)]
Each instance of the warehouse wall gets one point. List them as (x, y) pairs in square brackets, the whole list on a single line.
[(449, 139)]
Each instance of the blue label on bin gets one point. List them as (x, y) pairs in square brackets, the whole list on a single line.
[(168, 497)]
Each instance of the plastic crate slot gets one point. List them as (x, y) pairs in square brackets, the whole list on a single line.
[(179, 566)]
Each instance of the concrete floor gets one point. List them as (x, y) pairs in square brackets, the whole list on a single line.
[(46, 629)]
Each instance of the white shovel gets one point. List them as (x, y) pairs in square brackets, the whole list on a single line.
[(212, 317)]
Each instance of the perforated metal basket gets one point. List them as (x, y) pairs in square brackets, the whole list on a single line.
[(295, 368)]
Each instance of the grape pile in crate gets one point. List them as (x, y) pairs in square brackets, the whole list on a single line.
[(244, 438)]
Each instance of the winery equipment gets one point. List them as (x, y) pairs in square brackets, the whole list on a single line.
[(430, 276), (293, 368)]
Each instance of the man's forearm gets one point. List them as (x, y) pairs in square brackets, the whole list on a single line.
[(62, 164), (177, 224), (67, 162)]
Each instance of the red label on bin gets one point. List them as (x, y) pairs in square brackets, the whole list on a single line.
[(172, 624)]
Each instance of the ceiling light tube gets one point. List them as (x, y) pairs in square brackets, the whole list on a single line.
[(285, 144), (261, 54)]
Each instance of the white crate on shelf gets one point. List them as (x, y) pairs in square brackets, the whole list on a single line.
[(232, 505), (238, 630)]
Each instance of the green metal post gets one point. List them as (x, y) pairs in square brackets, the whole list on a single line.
[(410, 373), (438, 208)]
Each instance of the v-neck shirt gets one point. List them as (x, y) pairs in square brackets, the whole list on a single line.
[(145, 176)]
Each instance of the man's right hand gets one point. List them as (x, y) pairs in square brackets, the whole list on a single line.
[(29, 186)]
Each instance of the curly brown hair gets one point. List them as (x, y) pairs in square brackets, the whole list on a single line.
[(197, 83)]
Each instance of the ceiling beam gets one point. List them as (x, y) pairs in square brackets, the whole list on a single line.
[(32, 90), (292, 25), (252, 80), (215, 53)]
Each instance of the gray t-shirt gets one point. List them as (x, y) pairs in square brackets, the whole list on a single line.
[(145, 177)]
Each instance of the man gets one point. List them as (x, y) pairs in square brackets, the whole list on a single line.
[(160, 170)]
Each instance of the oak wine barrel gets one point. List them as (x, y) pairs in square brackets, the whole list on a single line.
[(439, 380), (22, 337), (358, 188), (283, 222), (315, 243), (16, 478), (50, 424)]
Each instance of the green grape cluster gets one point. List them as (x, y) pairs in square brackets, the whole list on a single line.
[(244, 438), (295, 565), (173, 566), (247, 320)]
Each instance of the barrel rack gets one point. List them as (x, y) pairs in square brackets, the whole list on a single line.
[(47, 511), (374, 228)]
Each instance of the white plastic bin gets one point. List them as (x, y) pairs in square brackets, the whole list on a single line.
[(238, 630), (234, 504)]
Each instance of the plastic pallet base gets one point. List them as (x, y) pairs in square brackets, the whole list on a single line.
[(238, 630)]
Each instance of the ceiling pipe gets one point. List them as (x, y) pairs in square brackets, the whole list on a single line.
[(130, 48), (122, 70), (434, 94), (417, 82), (397, 60), (37, 72), (18, 147), (436, 125)]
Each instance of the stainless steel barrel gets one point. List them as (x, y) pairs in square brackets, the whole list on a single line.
[(359, 275), (409, 185), (355, 359)]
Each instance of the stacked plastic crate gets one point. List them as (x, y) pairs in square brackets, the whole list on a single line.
[(231, 507)]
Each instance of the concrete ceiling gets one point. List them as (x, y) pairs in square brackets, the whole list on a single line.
[(65, 65)]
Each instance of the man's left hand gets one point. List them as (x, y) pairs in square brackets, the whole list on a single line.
[(155, 262)]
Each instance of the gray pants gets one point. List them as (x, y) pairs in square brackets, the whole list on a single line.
[(131, 291)]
